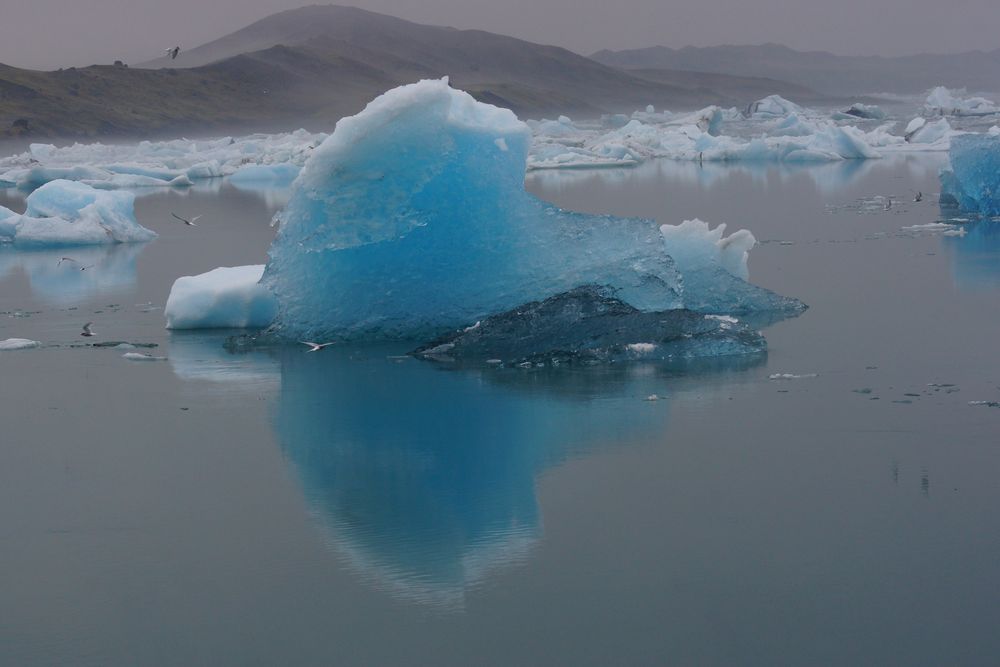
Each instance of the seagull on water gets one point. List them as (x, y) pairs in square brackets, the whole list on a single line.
[(315, 347), (888, 204), (919, 196), (87, 331), (189, 223), (173, 51)]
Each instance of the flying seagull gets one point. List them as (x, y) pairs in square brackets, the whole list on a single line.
[(86, 330), (189, 223), (172, 52), (70, 259), (315, 347)]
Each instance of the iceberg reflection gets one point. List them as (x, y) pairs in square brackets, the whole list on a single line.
[(92, 271), (975, 257), (423, 478)]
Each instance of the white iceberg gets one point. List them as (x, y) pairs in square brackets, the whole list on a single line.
[(944, 102), (62, 213), (223, 298)]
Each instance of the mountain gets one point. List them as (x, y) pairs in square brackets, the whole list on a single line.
[(825, 72), (311, 66)]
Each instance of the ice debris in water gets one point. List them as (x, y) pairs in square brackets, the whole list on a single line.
[(411, 220), (176, 163), (944, 102), (226, 297), (64, 213), (973, 182), (791, 376), (18, 344)]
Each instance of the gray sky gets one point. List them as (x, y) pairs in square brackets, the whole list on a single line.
[(46, 34)]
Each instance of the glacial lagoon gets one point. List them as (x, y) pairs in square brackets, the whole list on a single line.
[(829, 501)]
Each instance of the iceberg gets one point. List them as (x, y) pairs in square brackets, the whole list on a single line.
[(773, 106), (64, 213), (973, 182), (859, 110), (412, 219), (223, 298), (944, 102)]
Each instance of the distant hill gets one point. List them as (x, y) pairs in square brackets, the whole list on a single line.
[(313, 65), (824, 72)]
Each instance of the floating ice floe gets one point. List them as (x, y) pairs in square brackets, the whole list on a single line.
[(18, 344), (373, 246), (973, 182), (944, 102), (63, 213), (224, 298)]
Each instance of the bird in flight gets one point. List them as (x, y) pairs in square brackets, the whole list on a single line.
[(315, 347), (87, 331), (189, 223), (173, 51), (70, 259)]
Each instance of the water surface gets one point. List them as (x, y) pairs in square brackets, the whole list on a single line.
[(354, 507)]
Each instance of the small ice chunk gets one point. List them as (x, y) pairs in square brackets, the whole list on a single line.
[(18, 344), (226, 297), (791, 376), (138, 356)]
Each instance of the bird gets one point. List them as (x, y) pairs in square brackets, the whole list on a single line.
[(70, 259), (87, 331), (919, 196), (888, 204), (315, 347), (173, 51), (189, 223)]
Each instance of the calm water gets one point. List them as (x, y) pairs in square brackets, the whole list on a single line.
[(354, 508)]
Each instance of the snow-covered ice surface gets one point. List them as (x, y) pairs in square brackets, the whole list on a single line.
[(372, 246), (226, 297), (65, 213), (973, 181)]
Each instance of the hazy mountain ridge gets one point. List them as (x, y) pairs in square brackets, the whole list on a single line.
[(311, 66), (822, 71)]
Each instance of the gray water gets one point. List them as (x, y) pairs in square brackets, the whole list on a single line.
[(352, 507)]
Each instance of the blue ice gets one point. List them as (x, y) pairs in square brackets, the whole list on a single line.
[(974, 178), (412, 219)]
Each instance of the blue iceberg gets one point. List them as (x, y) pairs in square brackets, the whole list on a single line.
[(974, 179), (412, 219)]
